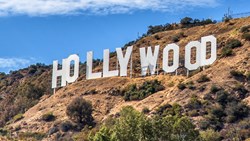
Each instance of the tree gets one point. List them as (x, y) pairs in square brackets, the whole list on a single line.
[(80, 111), (131, 126), (135, 126), (186, 21), (184, 130)]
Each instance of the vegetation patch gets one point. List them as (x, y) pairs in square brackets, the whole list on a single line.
[(241, 91), (246, 36), (185, 22), (193, 103), (145, 110), (181, 86), (66, 126), (214, 89), (210, 135), (233, 43), (3, 132), (17, 117), (225, 52), (134, 92), (175, 38), (237, 73), (228, 108), (229, 46), (203, 78), (31, 135), (244, 29), (169, 110), (25, 88), (48, 117)]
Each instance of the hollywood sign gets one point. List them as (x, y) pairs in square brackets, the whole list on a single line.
[(148, 61)]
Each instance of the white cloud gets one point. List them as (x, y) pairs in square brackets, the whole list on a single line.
[(13, 62), (69, 7)]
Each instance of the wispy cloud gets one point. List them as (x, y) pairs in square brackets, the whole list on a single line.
[(14, 63), (69, 7)]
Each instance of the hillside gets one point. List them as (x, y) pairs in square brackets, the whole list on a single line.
[(230, 73)]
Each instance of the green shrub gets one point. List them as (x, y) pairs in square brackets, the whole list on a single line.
[(17, 117), (208, 97), (233, 43), (214, 89), (217, 111), (203, 78), (222, 97), (48, 117), (244, 29), (193, 103), (175, 38), (210, 135), (65, 126), (193, 113), (53, 130), (132, 92), (190, 85), (246, 36), (169, 110), (225, 52), (202, 88), (80, 111), (236, 111), (242, 91), (181, 34), (3, 132), (157, 37), (203, 124), (181, 86), (214, 122), (145, 110), (237, 73), (90, 92), (162, 108)]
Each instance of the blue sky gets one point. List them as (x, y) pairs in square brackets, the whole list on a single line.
[(33, 31)]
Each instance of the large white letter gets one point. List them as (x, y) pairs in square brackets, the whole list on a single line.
[(175, 65), (69, 78), (213, 57), (123, 61), (89, 73), (188, 48), (148, 60), (106, 72), (58, 73)]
